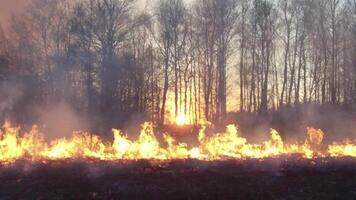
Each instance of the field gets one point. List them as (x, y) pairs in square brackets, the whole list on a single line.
[(282, 178)]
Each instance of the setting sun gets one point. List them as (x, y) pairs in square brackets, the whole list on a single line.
[(181, 120)]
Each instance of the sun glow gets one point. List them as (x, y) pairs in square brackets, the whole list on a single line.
[(181, 113), (182, 120)]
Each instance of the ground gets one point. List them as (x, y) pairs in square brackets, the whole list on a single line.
[(283, 178)]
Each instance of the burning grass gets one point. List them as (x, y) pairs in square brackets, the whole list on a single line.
[(16, 145)]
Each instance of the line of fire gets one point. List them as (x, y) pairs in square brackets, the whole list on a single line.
[(178, 99)]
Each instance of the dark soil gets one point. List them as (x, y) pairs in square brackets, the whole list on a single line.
[(288, 178)]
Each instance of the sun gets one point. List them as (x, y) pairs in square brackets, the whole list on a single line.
[(181, 120)]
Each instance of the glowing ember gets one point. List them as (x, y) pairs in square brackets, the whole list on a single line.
[(15, 145)]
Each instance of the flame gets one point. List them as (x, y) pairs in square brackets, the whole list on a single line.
[(229, 144), (346, 149)]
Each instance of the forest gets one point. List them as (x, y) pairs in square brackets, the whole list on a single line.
[(192, 60)]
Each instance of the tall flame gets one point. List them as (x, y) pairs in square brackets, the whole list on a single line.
[(15, 145)]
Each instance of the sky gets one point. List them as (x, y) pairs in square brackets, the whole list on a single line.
[(15, 6), (10, 6)]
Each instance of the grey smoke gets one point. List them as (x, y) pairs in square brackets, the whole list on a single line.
[(10, 93)]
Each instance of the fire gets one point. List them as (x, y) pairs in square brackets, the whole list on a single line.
[(16, 145), (346, 149)]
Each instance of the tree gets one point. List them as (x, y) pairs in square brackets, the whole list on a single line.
[(265, 17)]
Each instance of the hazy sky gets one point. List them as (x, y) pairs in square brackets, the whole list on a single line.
[(12, 6), (9, 6)]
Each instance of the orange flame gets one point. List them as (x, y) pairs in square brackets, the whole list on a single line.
[(226, 145)]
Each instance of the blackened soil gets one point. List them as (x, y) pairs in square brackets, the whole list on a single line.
[(287, 178)]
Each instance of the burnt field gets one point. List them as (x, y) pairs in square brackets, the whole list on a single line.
[(287, 178)]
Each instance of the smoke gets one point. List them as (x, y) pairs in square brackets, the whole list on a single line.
[(337, 123), (132, 125), (11, 92), (61, 120), (55, 120), (292, 122)]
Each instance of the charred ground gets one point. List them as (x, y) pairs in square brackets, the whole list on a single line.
[(287, 178)]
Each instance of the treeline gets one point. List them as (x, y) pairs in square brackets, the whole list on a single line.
[(113, 58)]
